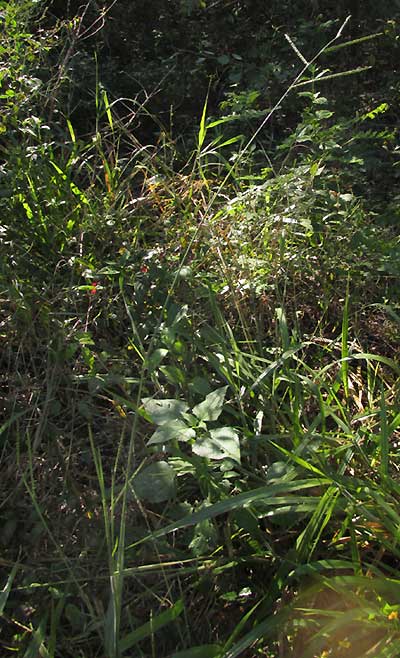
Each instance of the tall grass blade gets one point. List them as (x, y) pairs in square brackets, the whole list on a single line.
[(261, 631), (263, 495), (108, 110), (203, 651), (5, 592), (308, 540), (203, 129), (384, 436), (152, 626), (345, 344)]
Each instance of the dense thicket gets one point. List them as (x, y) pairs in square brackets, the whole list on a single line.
[(168, 57), (174, 53)]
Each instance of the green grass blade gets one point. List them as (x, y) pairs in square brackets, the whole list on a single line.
[(36, 646), (359, 69), (203, 127), (309, 538), (152, 626), (265, 628), (5, 592), (108, 110), (262, 495), (203, 651), (384, 438), (345, 344), (353, 42)]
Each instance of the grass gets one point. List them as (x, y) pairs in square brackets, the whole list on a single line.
[(200, 390)]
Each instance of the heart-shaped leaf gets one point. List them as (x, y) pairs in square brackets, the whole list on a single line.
[(211, 407), (173, 430), (221, 443), (155, 483), (163, 411)]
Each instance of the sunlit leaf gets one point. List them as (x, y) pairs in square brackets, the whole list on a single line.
[(170, 431), (211, 407), (163, 411), (221, 443)]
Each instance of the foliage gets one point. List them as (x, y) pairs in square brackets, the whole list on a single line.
[(199, 328)]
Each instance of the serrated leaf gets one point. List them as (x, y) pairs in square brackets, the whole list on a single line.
[(173, 430), (211, 407), (163, 411), (155, 483), (222, 443)]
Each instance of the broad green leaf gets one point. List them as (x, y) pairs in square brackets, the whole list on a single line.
[(280, 470), (152, 626), (201, 386), (173, 430), (155, 358), (223, 60), (220, 444), (156, 483), (163, 411), (211, 407), (75, 617), (205, 538)]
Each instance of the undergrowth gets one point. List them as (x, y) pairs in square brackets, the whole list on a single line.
[(199, 374)]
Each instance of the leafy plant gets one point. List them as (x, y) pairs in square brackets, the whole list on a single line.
[(199, 327), (176, 425)]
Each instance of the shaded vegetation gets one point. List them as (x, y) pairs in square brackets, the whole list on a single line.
[(199, 329)]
